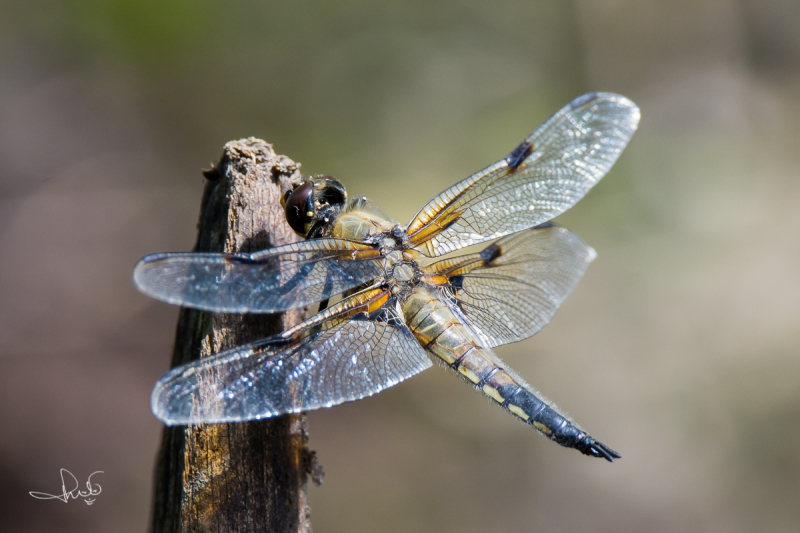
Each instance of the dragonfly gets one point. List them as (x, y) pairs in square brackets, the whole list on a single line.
[(406, 300)]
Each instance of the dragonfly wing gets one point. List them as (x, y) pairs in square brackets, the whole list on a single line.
[(543, 177), (512, 289), (273, 280), (356, 356)]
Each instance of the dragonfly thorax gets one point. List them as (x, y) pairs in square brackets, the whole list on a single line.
[(404, 272), (401, 269)]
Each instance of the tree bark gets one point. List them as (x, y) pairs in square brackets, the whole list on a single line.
[(249, 476)]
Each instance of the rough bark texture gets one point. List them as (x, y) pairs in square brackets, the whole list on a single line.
[(247, 476)]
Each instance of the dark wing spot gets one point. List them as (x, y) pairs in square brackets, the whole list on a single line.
[(383, 314), (490, 253), (457, 282), (362, 315), (583, 100), (519, 154)]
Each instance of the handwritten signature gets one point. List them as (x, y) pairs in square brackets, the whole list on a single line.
[(75, 492)]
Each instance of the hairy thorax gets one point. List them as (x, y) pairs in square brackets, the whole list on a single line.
[(400, 264)]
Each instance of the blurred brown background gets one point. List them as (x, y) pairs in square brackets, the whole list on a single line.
[(679, 348)]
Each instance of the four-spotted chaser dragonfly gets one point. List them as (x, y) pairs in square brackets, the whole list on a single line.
[(400, 309)]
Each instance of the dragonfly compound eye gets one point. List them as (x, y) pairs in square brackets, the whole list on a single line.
[(285, 197), (299, 209), (329, 191)]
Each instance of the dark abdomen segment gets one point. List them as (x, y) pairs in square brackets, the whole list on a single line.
[(439, 331)]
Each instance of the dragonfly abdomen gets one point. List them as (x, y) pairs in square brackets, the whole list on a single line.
[(442, 334), (437, 328), (487, 373)]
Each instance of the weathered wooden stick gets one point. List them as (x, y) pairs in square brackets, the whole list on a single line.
[(248, 476)]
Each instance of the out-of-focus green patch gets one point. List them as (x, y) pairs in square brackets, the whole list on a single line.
[(152, 31), (149, 32)]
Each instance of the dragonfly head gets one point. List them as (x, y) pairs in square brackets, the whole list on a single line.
[(313, 203)]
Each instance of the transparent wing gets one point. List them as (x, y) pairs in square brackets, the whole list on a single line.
[(334, 360), (543, 177), (513, 287), (273, 280)]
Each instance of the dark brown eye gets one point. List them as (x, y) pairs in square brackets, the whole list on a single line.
[(285, 197), (300, 209)]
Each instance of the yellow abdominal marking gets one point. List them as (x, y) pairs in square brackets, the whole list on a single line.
[(469, 374), (493, 393), (447, 357), (519, 412), (544, 429)]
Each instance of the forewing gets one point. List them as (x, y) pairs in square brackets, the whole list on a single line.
[(513, 288), (543, 177), (273, 280), (349, 358)]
